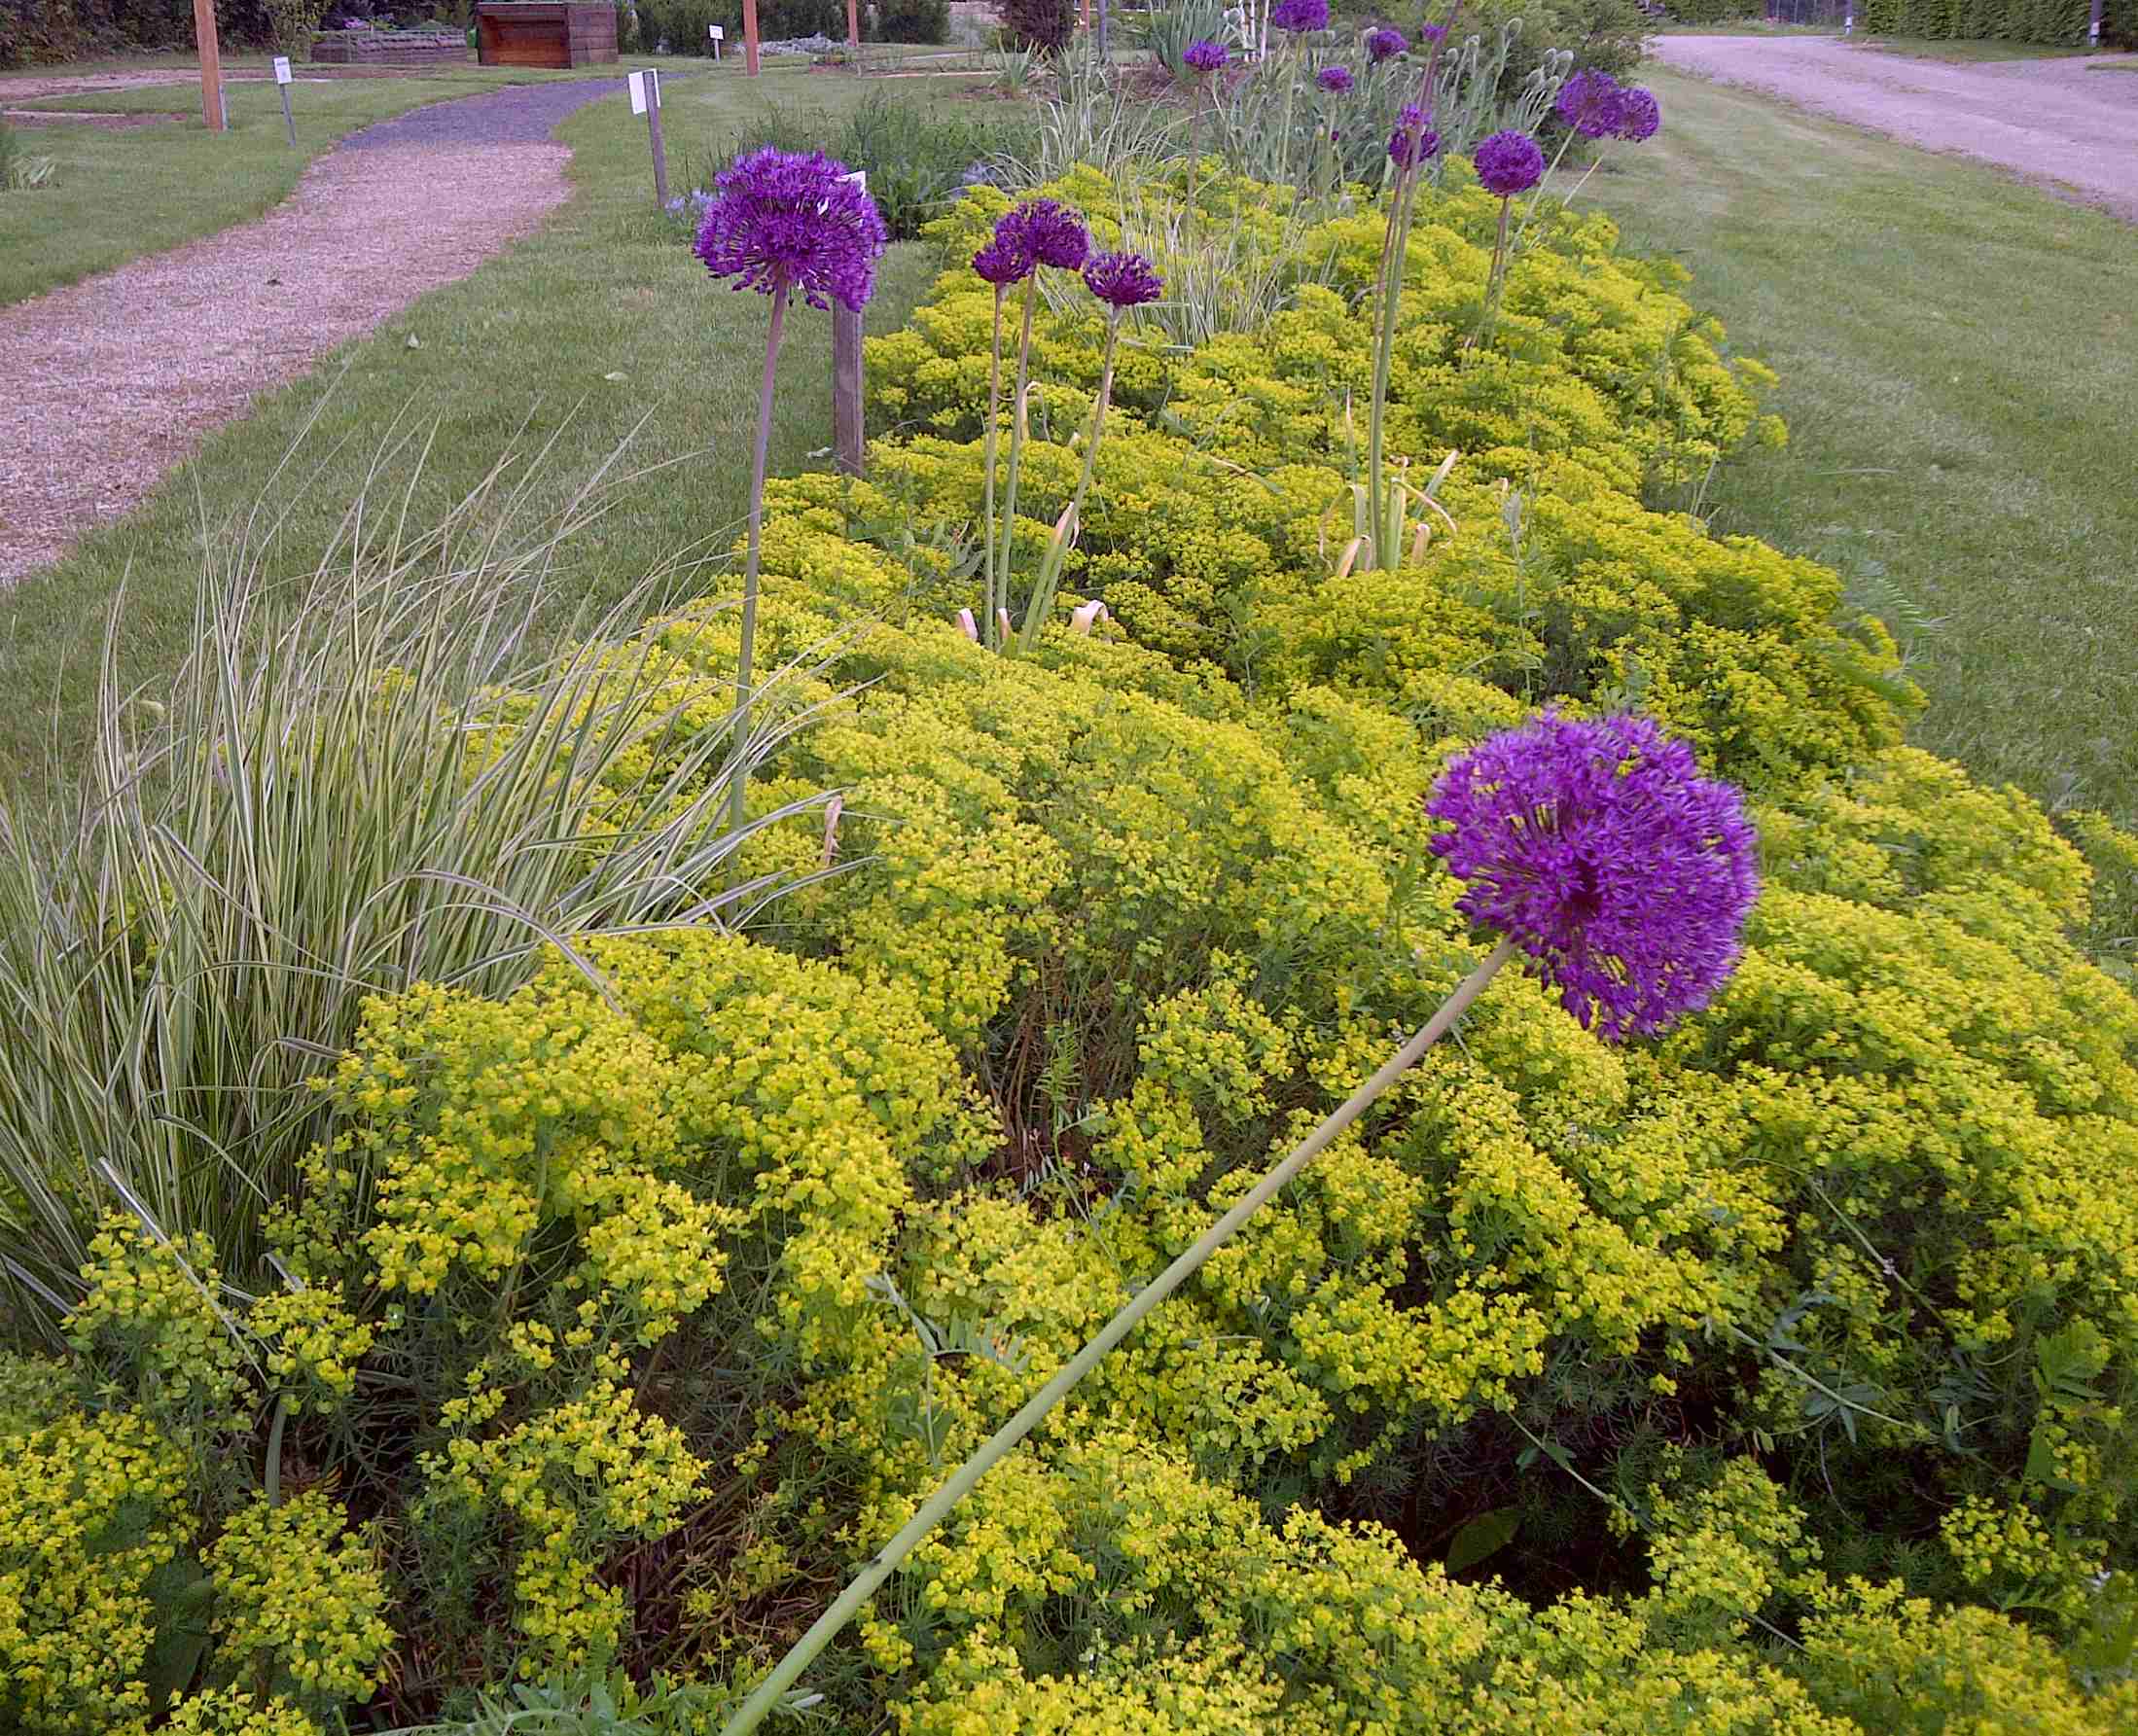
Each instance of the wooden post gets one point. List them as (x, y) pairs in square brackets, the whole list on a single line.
[(653, 134), (847, 421), (282, 85), (853, 31), (749, 37), (211, 64)]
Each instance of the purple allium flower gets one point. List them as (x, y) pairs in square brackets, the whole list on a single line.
[(1122, 279), (1003, 262), (1299, 15), (1050, 233), (1433, 32), (1384, 43), (787, 221), (1336, 80), (1204, 57), (1597, 847), (1509, 163), (1638, 116), (1403, 149), (1591, 102)]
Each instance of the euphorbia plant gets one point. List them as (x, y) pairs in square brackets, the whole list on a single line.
[(1594, 846), (782, 221)]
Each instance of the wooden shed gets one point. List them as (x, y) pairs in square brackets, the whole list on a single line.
[(544, 33)]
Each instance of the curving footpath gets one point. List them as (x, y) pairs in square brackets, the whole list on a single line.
[(2053, 121), (112, 381)]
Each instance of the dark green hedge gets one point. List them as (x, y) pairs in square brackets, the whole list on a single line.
[(43, 32)]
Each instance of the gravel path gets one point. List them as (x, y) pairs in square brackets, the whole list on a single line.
[(113, 380), (2050, 121)]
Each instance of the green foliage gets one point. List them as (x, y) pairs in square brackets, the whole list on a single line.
[(916, 158), (913, 21), (179, 956), (2058, 22), (43, 32), (639, 1293)]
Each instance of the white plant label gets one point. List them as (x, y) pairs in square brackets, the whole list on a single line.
[(715, 32), (281, 69), (638, 82)]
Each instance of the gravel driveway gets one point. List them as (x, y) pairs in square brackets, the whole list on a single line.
[(111, 382), (2051, 122)]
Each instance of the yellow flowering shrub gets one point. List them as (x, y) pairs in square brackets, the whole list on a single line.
[(93, 1509), (299, 1600), (1784, 1363)]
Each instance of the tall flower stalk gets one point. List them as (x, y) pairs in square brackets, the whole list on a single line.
[(1122, 280), (1038, 233), (1592, 846), (1509, 164), (1206, 59), (1412, 145), (782, 221)]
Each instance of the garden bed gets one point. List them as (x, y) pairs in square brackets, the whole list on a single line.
[(390, 48)]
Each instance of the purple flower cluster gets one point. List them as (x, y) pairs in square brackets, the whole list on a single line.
[(1299, 15), (1509, 163), (1433, 32), (1336, 80), (1204, 57), (1639, 116), (781, 219), (1595, 105), (1038, 233), (1384, 43), (1122, 279), (1598, 848), (1412, 141)]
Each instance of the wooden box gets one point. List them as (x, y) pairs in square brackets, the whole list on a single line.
[(544, 33)]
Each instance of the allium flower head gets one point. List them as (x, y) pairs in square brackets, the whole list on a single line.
[(1384, 43), (1591, 102), (1003, 262), (1299, 15), (1509, 163), (782, 220), (1122, 279), (1050, 233), (1336, 80), (1433, 32), (1204, 57), (1403, 149), (1638, 116), (1598, 848)]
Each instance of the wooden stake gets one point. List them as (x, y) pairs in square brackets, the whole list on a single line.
[(853, 30), (653, 133), (847, 417), (212, 63), (749, 37)]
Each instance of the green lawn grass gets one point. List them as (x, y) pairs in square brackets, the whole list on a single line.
[(1966, 52), (518, 355), (1959, 360), (117, 195)]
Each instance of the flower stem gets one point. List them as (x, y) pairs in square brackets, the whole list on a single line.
[(749, 566), (998, 1445), (1001, 589), (1057, 551), (994, 401)]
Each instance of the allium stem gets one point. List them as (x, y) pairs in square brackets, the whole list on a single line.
[(998, 1445), (1017, 443), (1492, 283), (749, 566), (1057, 551), (994, 403)]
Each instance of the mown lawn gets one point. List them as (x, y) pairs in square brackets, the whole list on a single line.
[(120, 193), (601, 327), (1959, 360)]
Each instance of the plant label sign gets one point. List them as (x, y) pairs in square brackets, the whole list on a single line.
[(715, 33), (637, 83), (281, 69)]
